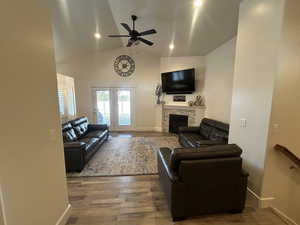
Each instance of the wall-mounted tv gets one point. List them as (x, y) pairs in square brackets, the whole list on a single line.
[(178, 82)]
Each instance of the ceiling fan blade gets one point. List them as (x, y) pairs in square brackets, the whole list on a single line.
[(118, 36), (146, 41), (126, 27), (147, 32)]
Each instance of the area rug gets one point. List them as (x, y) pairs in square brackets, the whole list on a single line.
[(126, 156)]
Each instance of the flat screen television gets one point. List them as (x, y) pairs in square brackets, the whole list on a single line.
[(178, 82)]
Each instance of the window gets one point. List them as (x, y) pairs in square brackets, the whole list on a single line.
[(61, 103), (71, 102), (114, 106), (66, 97)]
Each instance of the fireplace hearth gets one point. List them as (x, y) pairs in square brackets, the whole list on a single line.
[(176, 121)]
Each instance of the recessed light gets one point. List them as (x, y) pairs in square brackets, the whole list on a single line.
[(97, 35), (198, 3), (171, 46)]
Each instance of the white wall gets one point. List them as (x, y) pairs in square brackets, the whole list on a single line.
[(32, 173), (96, 70), (219, 81), (279, 180), (255, 70), (168, 64)]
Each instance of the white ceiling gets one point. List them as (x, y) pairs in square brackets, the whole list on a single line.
[(194, 31)]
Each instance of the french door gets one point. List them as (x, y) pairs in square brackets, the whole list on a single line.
[(114, 106)]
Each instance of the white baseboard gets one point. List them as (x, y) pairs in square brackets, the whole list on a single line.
[(158, 129), (258, 201), (268, 202), (144, 129), (63, 219), (283, 216)]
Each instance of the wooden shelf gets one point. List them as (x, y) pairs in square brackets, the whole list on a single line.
[(285, 151)]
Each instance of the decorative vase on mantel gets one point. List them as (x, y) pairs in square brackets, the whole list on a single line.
[(198, 102), (158, 94)]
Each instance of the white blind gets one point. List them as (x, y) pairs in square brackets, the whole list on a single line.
[(61, 102), (71, 102), (66, 97)]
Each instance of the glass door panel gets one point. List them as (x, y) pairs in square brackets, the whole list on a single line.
[(103, 107), (124, 107)]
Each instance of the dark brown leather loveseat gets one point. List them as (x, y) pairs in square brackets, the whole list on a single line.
[(81, 141), (202, 180), (210, 132)]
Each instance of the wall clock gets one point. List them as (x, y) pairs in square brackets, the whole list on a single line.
[(124, 65)]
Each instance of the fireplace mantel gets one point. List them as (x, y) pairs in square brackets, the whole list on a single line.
[(183, 107), (195, 114)]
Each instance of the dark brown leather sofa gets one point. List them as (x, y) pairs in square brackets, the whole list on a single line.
[(81, 141), (202, 180), (210, 132)]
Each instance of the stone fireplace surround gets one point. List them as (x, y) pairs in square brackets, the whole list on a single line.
[(195, 114)]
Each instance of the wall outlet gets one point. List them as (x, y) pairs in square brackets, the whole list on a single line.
[(243, 123)]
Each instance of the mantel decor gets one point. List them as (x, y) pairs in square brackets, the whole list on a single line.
[(198, 102)]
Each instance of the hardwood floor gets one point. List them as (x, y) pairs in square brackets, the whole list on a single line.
[(138, 200)]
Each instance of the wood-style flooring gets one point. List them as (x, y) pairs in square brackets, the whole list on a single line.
[(138, 200)]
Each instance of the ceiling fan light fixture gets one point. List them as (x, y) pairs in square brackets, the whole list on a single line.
[(198, 3), (97, 35)]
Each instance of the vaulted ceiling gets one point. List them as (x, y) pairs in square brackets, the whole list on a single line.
[(192, 30)]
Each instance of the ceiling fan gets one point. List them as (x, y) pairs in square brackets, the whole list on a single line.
[(134, 36)]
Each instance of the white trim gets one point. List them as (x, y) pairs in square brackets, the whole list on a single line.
[(63, 219), (158, 129), (2, 207), (258, 201), (144, 128), (283, 216)]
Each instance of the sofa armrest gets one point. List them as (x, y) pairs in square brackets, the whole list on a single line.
[(209, 143), (172, 176), (74, 145), (74, 156), (93, 127), (189, 129)]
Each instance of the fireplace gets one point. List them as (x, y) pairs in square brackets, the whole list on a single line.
[(176, 121)]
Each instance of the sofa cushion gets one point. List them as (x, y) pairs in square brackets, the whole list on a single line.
[(218, 135), (90, 142), (80, 126), (206, 127), (221, 126), (191, 138), (69, 134), (97, 133)]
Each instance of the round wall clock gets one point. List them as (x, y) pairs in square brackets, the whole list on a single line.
[(124, 65)]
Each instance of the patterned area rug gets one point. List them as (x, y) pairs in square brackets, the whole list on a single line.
[(126, 156)]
